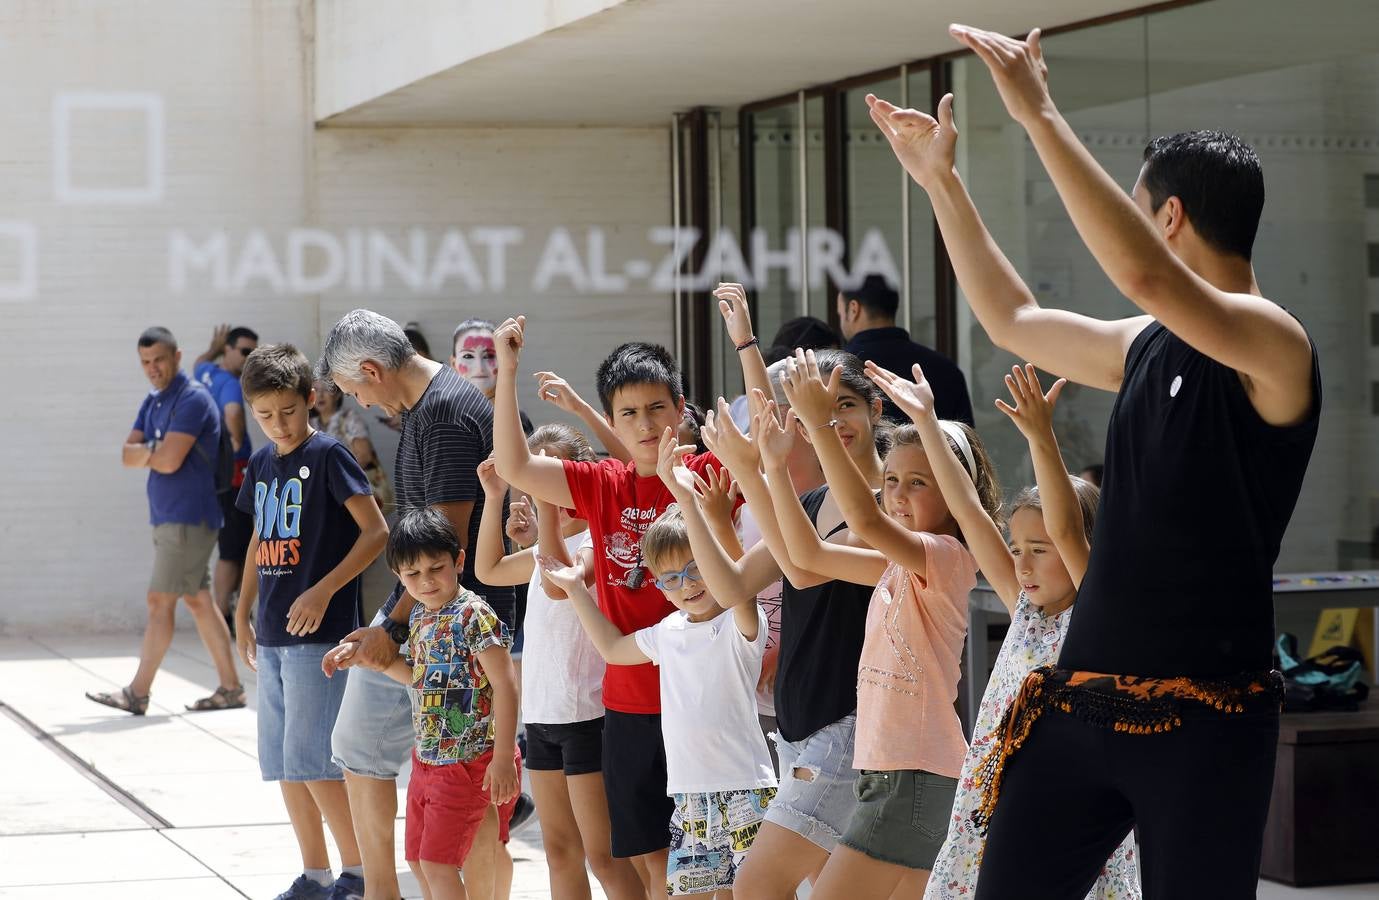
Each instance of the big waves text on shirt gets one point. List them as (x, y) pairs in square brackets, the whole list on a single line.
[(278, 517)]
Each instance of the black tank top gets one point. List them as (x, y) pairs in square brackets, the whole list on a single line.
[(821, 634), (1196, 495)]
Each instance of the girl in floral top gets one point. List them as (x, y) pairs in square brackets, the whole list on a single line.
[(1036, 576)]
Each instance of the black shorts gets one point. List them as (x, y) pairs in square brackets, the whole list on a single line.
[(634, 781), (575, 748), (237, 530)]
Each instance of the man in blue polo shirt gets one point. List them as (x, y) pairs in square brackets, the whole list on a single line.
[(176, 436), (231, 346)]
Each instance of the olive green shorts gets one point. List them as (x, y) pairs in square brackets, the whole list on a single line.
[(181, 559), (902, 817)]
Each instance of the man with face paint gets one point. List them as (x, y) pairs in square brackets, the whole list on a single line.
[(473, 357)]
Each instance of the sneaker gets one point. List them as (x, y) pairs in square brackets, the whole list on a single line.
[(523, 812), (305, 889), (348, 887)]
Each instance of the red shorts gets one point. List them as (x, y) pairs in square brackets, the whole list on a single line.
[(445, 807)]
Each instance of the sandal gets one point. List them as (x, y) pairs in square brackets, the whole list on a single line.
[(124, 700), (223, 698)]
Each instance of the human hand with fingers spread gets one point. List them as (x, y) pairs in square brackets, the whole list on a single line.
[(567, 578), (733, 449), (1033, 409), (925, 145), (811, 400), (717, 492), (670, 466), (1017, 67), (732, 304), (775, 439), (915, 398), (508, 340)]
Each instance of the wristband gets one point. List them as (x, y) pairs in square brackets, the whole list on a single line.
[(748, 343)]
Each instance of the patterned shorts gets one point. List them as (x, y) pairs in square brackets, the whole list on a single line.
[(710, 834)]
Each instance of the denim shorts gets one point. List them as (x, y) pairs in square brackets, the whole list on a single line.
[(297, 708), (818, 805), (902, 816), (373, 734)]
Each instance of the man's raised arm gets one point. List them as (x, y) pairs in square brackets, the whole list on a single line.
[(541, 476), (1230, 323), (1083, 349)]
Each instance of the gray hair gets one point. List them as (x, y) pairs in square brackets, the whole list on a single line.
[(471, 325), (362, 335)]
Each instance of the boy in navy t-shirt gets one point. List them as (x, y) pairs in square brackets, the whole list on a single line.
[(316, 528)]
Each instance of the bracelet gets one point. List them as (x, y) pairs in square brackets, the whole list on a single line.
[(831, 423), (748, 343)]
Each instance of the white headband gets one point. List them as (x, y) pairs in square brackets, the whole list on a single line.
[(953, 431)]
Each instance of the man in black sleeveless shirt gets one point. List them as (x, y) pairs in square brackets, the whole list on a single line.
[(1162, 714)]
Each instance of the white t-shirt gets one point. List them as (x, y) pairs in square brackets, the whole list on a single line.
[(709, 675), (769, 600), (562, 671)]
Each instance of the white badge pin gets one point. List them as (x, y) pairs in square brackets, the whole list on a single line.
[(304, 472), (1176, 386)]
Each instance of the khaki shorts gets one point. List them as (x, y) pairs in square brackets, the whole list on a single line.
[(181, 559)]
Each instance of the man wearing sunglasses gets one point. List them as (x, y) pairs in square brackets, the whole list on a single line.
[(231, 346)]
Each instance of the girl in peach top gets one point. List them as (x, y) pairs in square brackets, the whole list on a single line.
[(909, 743)]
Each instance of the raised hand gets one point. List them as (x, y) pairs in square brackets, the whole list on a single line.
[(1033, 409), (219, 336), (508, 340), (1017, 67), (521, 528), (733, 449), (811, 400), (915, 398), (567, 578), (774, 439), (732, 303), (717, 493), (924, 144), (557, 391), (670, 466), (489, 480)]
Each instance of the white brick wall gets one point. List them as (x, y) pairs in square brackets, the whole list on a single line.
[(241, 156)]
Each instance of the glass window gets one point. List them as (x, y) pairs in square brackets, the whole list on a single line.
[(775, 136), (873, 192), (923, 293)]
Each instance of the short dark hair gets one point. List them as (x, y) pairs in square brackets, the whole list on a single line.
[(637, 362), (421, 532), (157, 334), (877, 296), (418, 340), (1217, 177), (806, 333), (234, 334), (276, 367)]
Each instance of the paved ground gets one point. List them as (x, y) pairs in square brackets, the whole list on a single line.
[(172, 805)]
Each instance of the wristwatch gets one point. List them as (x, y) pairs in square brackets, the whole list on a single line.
[(398, 631)]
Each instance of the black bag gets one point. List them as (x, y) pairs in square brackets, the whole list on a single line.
[(1327, 681), (223, 467)]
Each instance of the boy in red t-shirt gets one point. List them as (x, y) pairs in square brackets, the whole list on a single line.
[(639, 385)]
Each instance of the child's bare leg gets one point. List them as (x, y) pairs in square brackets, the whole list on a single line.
[(334, 803), (443, 881), (481, 865), (853, 874), (651, 868), (588, 806), (502, 873), (306, 824), (420, 875)]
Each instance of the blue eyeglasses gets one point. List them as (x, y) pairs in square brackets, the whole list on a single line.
[(674, 580)]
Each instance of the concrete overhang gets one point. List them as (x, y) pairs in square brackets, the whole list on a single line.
[(429, 63)]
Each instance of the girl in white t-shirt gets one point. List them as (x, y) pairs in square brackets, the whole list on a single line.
[(709, 654), (562, 686)]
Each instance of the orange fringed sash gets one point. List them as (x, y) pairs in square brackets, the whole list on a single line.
[(1124, 703)]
